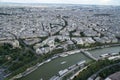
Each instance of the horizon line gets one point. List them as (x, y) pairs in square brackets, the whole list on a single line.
[(60, 3)]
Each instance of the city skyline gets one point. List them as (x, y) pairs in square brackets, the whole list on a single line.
[(90, 2)]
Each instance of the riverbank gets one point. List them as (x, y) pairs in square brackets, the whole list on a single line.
[(94, 68), (30, 70)]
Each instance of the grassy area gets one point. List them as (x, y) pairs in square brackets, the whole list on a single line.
[(93, 68), (105, 73), (21, 59), (15, 60)]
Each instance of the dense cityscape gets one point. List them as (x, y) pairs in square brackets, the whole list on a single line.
[(31, 37)]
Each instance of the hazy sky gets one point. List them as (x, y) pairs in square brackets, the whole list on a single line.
[(96, 2)]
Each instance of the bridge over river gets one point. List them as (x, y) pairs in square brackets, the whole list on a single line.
[(48, 70)]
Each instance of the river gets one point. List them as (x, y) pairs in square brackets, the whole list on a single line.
[(46, 71), (97, 52)]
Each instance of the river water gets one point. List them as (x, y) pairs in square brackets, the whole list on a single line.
[(52, 68), (97, 52)]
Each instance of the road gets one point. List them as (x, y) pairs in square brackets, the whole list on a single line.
[(97, 73)]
